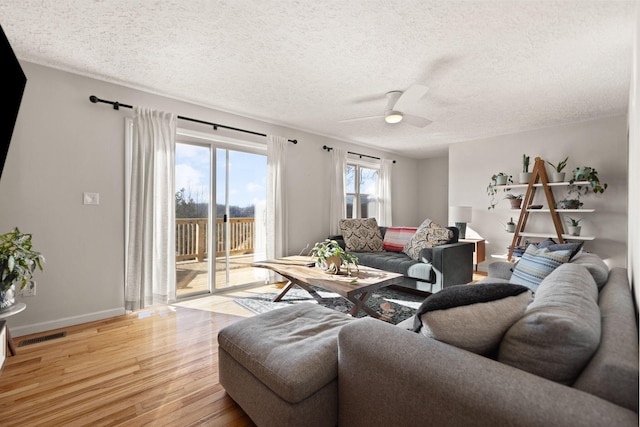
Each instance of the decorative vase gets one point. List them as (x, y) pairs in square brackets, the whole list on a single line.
[(331, 265), (515, 203), (525, 177), (574, 230), (8, 297), (501, 180), (557, 176)]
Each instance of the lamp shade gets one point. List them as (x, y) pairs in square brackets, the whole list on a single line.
[(460, 214)]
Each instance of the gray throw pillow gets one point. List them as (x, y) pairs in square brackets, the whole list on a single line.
[(560, 331), (472, 317), (553, 246), (596, 266)]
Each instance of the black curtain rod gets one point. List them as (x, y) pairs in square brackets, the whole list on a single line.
[(117, 105), (324, 147)]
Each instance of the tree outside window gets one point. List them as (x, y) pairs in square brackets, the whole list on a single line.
[(362, 191)]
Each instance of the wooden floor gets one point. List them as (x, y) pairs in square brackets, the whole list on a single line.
[(156, 367)]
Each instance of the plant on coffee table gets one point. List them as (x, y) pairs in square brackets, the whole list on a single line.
[(330, 256)]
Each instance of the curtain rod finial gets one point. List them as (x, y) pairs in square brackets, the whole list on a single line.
[(93, 99)]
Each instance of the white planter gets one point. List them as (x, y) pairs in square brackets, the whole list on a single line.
[(8, 297), (525, 177), (557, 177), (501, 180), (574, 230)]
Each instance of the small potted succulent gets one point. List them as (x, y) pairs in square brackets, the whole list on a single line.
[(574, 226), (558, 175), (525, 175), (18, 262), (330, 257), (515, 200)]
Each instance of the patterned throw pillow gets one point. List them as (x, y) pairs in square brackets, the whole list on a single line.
[(429, 234), (396, 237), (361, 235), (536, 264)]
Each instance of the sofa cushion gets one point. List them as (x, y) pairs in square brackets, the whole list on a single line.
[(536, 264), (553, 246), (428, 235), (396, 237), (397, 262), (361, 234), (473, 317), (560, 329), (596, 266)]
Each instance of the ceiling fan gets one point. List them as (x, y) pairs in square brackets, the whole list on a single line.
[(399, 104)]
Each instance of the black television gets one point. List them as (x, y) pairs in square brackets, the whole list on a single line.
[(13, 83)]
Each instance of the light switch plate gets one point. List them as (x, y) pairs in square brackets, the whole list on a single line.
[(91, 198)]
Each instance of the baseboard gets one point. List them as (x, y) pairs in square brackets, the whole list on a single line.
[(19, 331)]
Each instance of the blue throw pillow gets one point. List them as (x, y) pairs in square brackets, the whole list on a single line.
[(536, 264), (553, 246)]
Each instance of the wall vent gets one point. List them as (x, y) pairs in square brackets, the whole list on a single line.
[(42, 339)]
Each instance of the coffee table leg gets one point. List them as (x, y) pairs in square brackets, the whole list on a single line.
[(360, 303), (284, 291)]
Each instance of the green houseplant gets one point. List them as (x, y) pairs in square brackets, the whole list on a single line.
[(330, 257), (500, 178), (525, 175), (18, 261), (515, 200), (558, 175), (574, 226)]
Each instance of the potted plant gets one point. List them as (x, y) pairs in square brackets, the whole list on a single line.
[(515, 200), (17, 265), (330, 256), (574, 226), (569, 203), (557, 175), (590, 175), (500, 178), (525, 175), (511, 226)]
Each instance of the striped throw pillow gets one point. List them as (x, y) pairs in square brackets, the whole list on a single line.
[(536, 264), (396, 237)]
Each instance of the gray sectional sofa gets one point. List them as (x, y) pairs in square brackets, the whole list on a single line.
[(439, 267), (309, 365)]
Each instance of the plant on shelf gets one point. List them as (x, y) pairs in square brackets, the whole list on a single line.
[(574, 226), (330, 256), (498, 179), (558, 174), (586, 173), (515, 200), (525, 176), (17, 264)]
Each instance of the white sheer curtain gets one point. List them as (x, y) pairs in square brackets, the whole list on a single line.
[(150, 212), (276, 197), (384, 197), (338, 198)]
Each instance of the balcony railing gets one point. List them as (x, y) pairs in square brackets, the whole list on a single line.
[(192, 236)]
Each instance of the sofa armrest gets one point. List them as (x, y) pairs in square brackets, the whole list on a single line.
[(453, 260), (501, 270), (390, 376)]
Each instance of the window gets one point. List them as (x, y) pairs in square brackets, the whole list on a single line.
[(362, 190)]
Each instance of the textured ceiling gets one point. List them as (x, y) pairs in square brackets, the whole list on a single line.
[(493, 67)]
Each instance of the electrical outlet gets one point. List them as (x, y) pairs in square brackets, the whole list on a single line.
[(29, 290)]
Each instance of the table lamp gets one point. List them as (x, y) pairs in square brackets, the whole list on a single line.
[(460, 215)]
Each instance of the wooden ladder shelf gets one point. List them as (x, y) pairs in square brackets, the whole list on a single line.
[(539, 174)]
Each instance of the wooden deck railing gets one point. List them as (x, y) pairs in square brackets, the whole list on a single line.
[(191, 237)]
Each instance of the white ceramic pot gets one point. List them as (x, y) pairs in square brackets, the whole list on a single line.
[(501, 180), (525, 177), (574, 230), (557, 176)]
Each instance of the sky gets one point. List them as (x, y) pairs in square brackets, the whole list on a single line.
[(247, 175)]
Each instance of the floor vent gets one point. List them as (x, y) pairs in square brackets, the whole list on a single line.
[(42, 339)]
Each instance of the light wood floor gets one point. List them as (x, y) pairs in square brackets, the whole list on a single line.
[(156, 367)]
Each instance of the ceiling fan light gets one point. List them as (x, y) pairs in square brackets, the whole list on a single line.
[(393, 117)]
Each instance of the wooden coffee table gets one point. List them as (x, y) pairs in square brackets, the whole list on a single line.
[(356, 288)]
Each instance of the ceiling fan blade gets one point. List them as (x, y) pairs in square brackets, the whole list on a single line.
[(416, 121), (355, 119), (410, 97)]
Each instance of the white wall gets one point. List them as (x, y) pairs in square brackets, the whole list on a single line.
[(434, 189), (599, 143), (64, 145)]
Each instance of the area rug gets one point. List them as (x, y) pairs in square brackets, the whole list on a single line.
[(394, 306)]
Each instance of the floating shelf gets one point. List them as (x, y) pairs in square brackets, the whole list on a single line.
[(546, 235), (507, 187)]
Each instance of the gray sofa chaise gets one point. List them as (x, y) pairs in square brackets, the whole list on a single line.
[(439, 267)]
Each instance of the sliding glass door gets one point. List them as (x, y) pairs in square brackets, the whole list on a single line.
[(231, 230)]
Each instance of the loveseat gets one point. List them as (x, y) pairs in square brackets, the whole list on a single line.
[(440, 266)]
